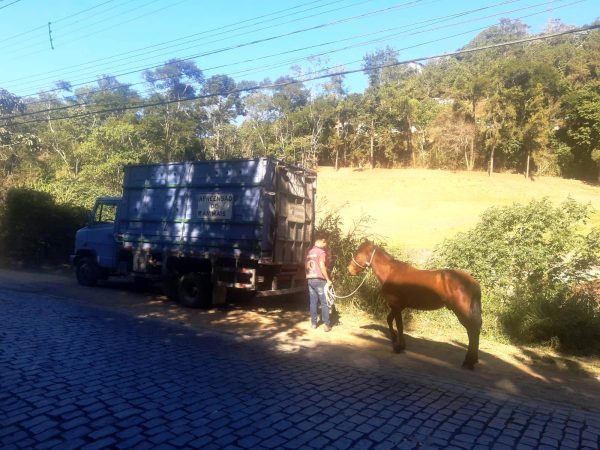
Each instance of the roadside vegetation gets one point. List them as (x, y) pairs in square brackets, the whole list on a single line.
[(531, 109), (538, 265)]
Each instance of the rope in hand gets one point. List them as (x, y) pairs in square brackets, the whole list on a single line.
[(330, 294)]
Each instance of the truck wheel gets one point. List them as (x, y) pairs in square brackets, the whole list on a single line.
[(87, 272), (195, 290)]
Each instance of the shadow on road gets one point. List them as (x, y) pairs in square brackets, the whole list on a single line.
[(283, 323)]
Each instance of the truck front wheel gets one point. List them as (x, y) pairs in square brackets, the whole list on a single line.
[(87, 272), (195, 290)]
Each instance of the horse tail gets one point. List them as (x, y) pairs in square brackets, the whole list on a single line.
[(476, 303)]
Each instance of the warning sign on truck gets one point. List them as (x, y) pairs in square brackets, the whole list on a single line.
[(215, 206)]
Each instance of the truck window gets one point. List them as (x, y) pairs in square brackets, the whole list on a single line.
[(105, 213)]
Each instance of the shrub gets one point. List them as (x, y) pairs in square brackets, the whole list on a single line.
[(533, 262), (35, 230)]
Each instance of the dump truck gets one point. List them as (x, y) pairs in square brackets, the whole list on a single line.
[(202, 228)]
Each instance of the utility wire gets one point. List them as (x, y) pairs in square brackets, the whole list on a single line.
[(10, 38), (409, 31), (304, 80), (386, 38), (327, 70), (138, 68), (275, 37), (246, 71), (60, 33), (215, 32), (6, 6)]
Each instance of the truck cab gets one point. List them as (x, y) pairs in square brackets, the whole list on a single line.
[(96, 248)]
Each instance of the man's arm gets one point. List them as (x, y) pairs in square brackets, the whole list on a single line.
[(324, 270)]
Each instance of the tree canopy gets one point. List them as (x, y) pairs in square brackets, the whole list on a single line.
[(532, 108)]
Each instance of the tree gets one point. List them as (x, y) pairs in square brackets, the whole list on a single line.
[(16, 143), (176, 79), (258, 137), (173, 128), (288, 97), (222, 104), (532, 90), (581, 133)]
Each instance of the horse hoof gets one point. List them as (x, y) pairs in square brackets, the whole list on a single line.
[(468, 365)]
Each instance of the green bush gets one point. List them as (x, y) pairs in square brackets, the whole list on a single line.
[(35, 230), (535, 263)]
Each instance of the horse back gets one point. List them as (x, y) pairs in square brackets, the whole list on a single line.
[(409, 287)]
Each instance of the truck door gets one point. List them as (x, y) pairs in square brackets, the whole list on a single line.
[(101, 235)]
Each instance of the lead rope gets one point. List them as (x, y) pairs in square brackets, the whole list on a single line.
[(330, 294)]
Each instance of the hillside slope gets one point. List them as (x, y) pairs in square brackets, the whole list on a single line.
[(419, 208)]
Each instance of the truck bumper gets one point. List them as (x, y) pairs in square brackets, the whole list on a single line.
[(275, 292)]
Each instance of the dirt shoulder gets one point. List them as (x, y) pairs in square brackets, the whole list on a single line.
[(356, 340)]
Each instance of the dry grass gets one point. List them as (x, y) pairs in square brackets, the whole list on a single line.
[(418, 208)]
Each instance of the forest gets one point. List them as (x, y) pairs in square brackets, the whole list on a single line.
[(530, 108)]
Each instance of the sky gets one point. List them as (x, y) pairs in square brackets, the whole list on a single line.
[(43, 41)]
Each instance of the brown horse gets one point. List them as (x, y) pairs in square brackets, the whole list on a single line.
[(404, 286)]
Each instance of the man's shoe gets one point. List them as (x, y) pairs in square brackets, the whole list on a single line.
[(327, 328), (313, 326)]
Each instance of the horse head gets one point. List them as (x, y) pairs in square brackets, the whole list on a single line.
[(362, 258)]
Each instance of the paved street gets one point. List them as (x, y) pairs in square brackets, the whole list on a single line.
[(78, 377)]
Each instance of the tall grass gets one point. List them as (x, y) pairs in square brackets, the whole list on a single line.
[(539, 272)]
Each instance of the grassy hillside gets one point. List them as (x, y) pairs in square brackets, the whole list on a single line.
[(418, 208)]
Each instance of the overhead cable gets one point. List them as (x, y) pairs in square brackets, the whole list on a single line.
[(304, 80)]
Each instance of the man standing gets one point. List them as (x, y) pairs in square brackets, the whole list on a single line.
[(317, 275)]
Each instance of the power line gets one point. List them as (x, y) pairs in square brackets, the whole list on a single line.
[(216, 32), (304, 80), (6, 6), (54, 21), (221, 30), (272, 38), (121, 13), (409, 31), (395, 35)]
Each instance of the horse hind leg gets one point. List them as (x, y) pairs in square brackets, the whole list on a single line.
[(390, 321), (472, 356), (473, 326), (400, 344)]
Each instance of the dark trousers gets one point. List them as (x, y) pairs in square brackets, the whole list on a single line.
[(316, 294)]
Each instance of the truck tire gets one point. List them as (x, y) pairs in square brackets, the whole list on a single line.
[(195, 290), (87, 271)]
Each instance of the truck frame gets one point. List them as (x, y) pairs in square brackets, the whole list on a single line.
[(203, 228)]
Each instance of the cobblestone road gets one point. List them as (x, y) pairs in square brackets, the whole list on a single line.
[(77, 377)]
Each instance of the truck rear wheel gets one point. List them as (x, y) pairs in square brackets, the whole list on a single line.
[(195, 290), (87, 271)]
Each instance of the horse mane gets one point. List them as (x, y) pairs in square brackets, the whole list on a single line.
[(388, 256)]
